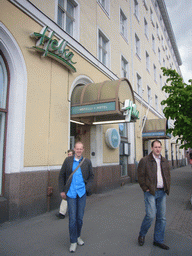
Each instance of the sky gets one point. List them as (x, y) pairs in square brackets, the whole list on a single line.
[(180, 14)]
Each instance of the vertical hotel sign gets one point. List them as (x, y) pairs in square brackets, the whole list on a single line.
[(53, 48)]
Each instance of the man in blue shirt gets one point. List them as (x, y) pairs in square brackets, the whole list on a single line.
[(75, 190)]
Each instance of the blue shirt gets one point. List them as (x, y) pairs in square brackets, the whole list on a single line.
[(77, 186)]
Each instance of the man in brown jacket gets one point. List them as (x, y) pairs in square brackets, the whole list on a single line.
[(154, 179)]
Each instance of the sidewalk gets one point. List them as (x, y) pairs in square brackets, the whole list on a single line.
[(111, 225)]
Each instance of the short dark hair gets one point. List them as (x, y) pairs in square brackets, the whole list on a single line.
[(70, 150), (152, 143)]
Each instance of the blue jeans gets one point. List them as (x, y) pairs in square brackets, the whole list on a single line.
[(76, 207), (155, 206)]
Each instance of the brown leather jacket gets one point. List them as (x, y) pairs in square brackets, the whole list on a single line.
[(147, 174)]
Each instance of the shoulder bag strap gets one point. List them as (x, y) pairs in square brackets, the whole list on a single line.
[(70, 177)]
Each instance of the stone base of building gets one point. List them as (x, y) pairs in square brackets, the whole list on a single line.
[(29, 194)]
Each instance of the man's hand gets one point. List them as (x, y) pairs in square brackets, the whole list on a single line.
[(63, 195), (147, 190)]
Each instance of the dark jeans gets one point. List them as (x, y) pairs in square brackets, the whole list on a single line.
[(76, 207)]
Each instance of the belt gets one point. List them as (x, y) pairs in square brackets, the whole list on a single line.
[(159, 188)]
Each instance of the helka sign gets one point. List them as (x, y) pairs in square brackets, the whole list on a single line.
[(53, 48)]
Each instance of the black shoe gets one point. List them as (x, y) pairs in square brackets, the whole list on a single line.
[(60, 216), (141, 240), (162, 246)]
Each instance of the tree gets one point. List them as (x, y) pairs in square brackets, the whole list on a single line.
[(178, 107)]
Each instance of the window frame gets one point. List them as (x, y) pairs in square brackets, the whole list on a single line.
[(123, 24), (137, 46), (155, 72), (136, 9), (153, 43), (66, 14), (100, 47), (124, 67), (156, 102), (149, 98), (147, 61), (105, 5), (5, 112), (146, 28), (139, 84)]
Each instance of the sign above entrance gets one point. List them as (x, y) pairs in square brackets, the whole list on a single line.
[(92, 108), (156, 129), (53, 48), (104, 102)]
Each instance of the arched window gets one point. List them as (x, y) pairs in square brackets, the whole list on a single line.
[(3, 114)]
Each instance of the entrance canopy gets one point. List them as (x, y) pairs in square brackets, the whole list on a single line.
[(156, 129), (101, 101)]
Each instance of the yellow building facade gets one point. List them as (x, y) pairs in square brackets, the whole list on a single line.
[(67, 69)]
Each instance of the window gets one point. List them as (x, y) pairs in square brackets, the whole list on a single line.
[(146, 28), (137, 45), (155, 73), (153, 43), (157, 27), (152, 19), (123, 24), (103, 49), (164, 63), (123, 149), (161, 84), (148, 94), (136, 9), (3, 113), (147, 62), (162, 43), (124, 67), (105, 5), (139, 89), (145, 5), (67, 16), (156, 102), (159, 55)]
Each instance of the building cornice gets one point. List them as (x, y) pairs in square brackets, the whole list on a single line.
[(169, 28)]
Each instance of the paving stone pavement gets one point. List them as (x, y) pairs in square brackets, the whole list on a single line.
[(111, 225)]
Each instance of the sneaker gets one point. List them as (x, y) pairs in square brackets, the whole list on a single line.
[(73, 247), (80, 241)]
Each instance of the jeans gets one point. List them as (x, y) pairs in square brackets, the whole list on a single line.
[(155, 206), (76, 207)]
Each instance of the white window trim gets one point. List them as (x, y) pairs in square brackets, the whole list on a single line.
[(151, 17), (108, 48), (106, 8), (146, 28), (155, 72), (137, 46), (136, 9), (149, 98), (147, 61), (125, 34), (76, 27), (153, 43), (127, 66), (17, 102), (139, 85)]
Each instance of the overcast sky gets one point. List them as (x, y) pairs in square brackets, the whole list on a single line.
[(180, 14)]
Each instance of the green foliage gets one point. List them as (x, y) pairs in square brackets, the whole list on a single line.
[(178, 106)]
